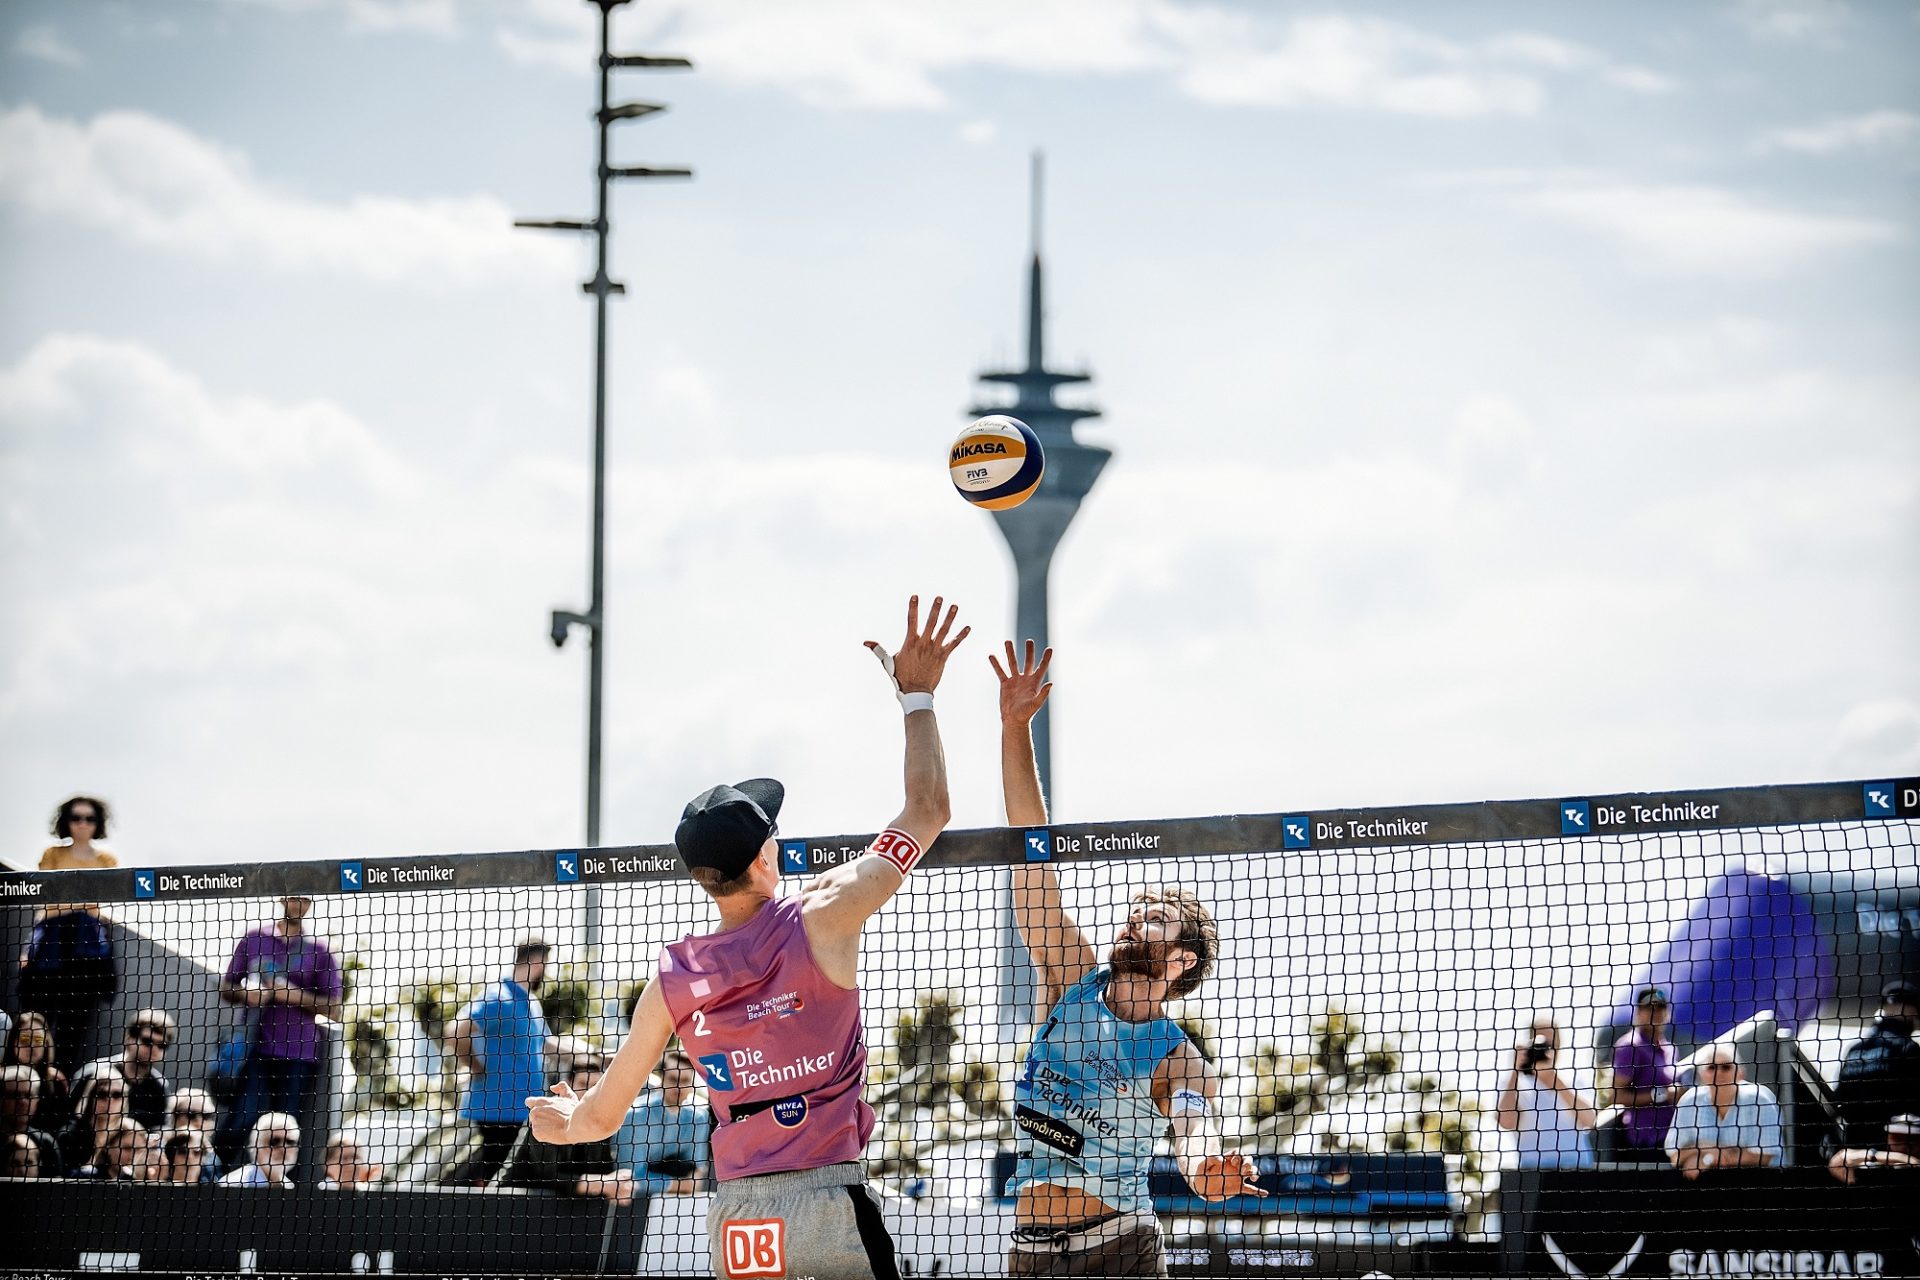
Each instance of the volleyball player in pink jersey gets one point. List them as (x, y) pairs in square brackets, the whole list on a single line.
[(768, 1005)]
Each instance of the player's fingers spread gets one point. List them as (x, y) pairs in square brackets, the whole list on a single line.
[(1045, 689), (1046, 660), (933, 614), (913, 614), (995, 664), (955, 644), (1028, 664)]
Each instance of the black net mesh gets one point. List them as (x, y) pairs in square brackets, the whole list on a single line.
[(1440, 1055)]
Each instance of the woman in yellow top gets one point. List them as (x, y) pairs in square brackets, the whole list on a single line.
[(67, 970), (80, 822)]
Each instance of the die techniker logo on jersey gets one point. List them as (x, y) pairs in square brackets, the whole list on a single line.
[(784, 1005), (732, 1069)]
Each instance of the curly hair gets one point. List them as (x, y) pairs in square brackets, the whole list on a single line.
[(1198, 934), (62, 818)]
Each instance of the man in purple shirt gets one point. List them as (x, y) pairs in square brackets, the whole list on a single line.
[(288, 980), (1644, 1074)]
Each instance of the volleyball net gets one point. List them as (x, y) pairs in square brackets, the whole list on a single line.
[(1582, 1036)]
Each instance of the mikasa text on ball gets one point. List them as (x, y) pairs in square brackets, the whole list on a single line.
[(997, 463)]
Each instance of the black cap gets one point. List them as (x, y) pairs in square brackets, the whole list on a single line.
[(1900, 991), (724, 827)]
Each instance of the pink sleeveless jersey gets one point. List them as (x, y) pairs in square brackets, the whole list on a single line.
[(778, 1044)]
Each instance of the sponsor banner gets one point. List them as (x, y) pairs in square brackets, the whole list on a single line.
[(1572, 817), (154, 1228), (1740, 1223)]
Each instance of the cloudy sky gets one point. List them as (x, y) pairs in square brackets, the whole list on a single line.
[(1508, 400)]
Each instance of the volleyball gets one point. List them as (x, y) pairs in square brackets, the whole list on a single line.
[(996, 462)]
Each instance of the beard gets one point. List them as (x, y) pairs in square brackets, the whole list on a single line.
[(1137, 959)]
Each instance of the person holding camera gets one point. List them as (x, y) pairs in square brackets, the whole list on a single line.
[(1549, 1118)]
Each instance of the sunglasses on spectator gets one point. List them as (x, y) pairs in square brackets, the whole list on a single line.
[(279, 1142), (88, 818)]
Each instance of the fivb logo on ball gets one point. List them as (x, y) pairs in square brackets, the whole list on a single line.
[(997, 462)]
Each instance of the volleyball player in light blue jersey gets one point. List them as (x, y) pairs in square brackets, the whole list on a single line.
[(1108, 1072)]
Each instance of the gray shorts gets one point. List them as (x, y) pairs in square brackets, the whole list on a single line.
[(811, 1224), (1126, 1244)]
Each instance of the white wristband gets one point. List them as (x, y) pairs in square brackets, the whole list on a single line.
[(912, 702)]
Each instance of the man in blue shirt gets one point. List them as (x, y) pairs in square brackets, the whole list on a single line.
[(501, 1039), (1724, 1122), (664, 1137), (1109, 1073)]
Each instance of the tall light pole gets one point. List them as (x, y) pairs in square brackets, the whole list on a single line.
[(602, 287), (594, 619)]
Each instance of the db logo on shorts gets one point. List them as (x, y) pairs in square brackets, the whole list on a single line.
[(757, 1247)]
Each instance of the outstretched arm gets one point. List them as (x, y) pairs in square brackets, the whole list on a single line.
[(567, 1117), (1184, 1087), (838, 902), (1060, 951)]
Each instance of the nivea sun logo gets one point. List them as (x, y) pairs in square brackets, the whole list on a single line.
[(976, 450)]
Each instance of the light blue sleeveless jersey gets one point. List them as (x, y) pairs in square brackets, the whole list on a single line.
[(1083, 1103)]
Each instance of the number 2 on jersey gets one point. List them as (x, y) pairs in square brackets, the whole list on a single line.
[(700, 1023)]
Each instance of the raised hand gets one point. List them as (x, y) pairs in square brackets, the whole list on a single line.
[(1221, 1176), (922, 658), (549, 1117), (1023, 686)]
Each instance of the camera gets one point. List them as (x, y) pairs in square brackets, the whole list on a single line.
[(1538, 1052)]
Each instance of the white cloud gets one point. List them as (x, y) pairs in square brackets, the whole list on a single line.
[(44, 44), (1871, 131), (978, 132), (436, 17), (864, 53), (1694, 227), (1877, 738), (155, 183), (1793, 21)]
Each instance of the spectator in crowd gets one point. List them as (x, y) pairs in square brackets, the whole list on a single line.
[(77, 824), (576, 1169), (31, 1045), (18, 1103), (346, 1165), (67, 970), (1549, 1117), (183, 1156), (23, 1158), (1880, 1077), (99, 1108), (149, 1036), (500, 1039), (1899, 1158), (193, 1112), (291, 978), (274, 1145), (121, 1156), (1724, 1122), (6, 1027), (663, 1141), (1645, 1072)]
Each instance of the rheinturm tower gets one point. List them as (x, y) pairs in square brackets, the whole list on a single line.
[(1033, 531), (1034, 528)]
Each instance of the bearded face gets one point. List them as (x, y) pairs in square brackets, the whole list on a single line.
[(1147, 947)]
